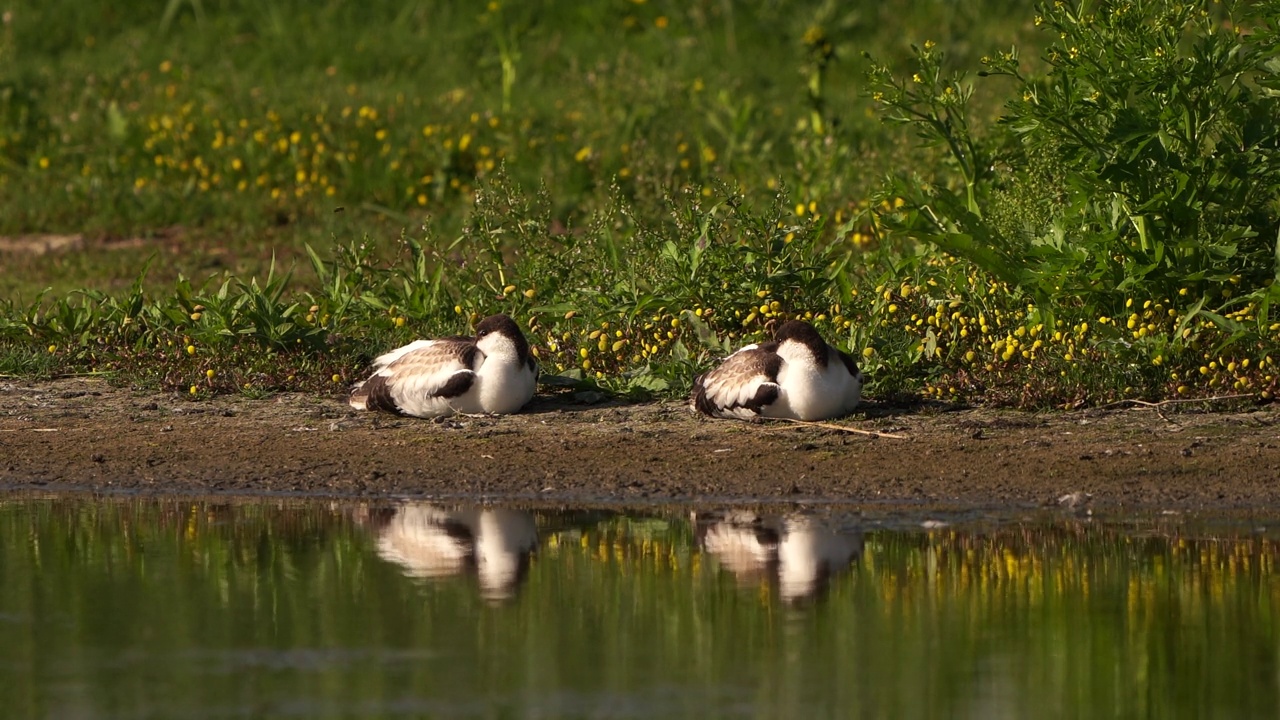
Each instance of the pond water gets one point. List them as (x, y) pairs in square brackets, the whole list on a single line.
[(141, 608)]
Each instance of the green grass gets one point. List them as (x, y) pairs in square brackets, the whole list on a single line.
[(646, 185)]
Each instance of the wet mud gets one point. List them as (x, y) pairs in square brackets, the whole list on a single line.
[(85, 434)]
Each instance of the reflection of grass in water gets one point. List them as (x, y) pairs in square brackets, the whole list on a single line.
[(1084, 617)]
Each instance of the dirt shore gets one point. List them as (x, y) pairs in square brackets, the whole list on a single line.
[(85, 434)]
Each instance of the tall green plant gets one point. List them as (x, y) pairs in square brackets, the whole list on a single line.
[(1140, 158)]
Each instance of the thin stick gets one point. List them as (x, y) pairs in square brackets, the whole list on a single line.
[(842, 428), (1174, 401)]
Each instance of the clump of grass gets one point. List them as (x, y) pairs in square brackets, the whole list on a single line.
[(1082, 245)]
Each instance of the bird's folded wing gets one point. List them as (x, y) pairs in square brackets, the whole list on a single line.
[(420, 370), (746, 380), (433, 370)]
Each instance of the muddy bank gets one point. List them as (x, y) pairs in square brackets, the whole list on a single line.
[(86, 434)]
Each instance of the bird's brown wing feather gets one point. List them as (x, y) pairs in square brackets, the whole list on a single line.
[(442, 369), (742, 385)]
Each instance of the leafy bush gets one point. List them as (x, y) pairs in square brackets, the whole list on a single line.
[(1140, 160)]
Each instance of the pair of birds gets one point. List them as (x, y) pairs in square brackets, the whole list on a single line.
[(797, 375)]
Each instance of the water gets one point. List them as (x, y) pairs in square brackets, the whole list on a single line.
[(189, 609)]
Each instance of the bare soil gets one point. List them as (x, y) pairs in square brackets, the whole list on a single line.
[(86, 434)]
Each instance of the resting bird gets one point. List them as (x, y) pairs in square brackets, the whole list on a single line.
[(797, 376), (490, 373), (434, 542), (799, 553)]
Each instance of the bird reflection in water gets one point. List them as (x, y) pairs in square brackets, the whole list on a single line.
[(430, 541), (798, 553)]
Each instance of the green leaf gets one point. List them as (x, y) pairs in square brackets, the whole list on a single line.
[(117, 125), (1227, 324), (964, 245)]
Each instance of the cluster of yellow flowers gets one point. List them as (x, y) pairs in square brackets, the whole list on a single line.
[(979, 330), (351, 149)]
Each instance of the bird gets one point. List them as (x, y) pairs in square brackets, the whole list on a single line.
[(800, 553), (491, 373), (797, 375), (429, 541)]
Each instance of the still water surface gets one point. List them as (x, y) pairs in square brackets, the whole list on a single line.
[(145, 608)]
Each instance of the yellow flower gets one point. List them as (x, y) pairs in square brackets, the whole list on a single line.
[(209, 373), (191, 349)]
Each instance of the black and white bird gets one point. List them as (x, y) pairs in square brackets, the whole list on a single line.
[(432, 542), (797, 375), (491, 373), (801, 554)]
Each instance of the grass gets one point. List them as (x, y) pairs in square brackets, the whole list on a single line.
[(645, 186)]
